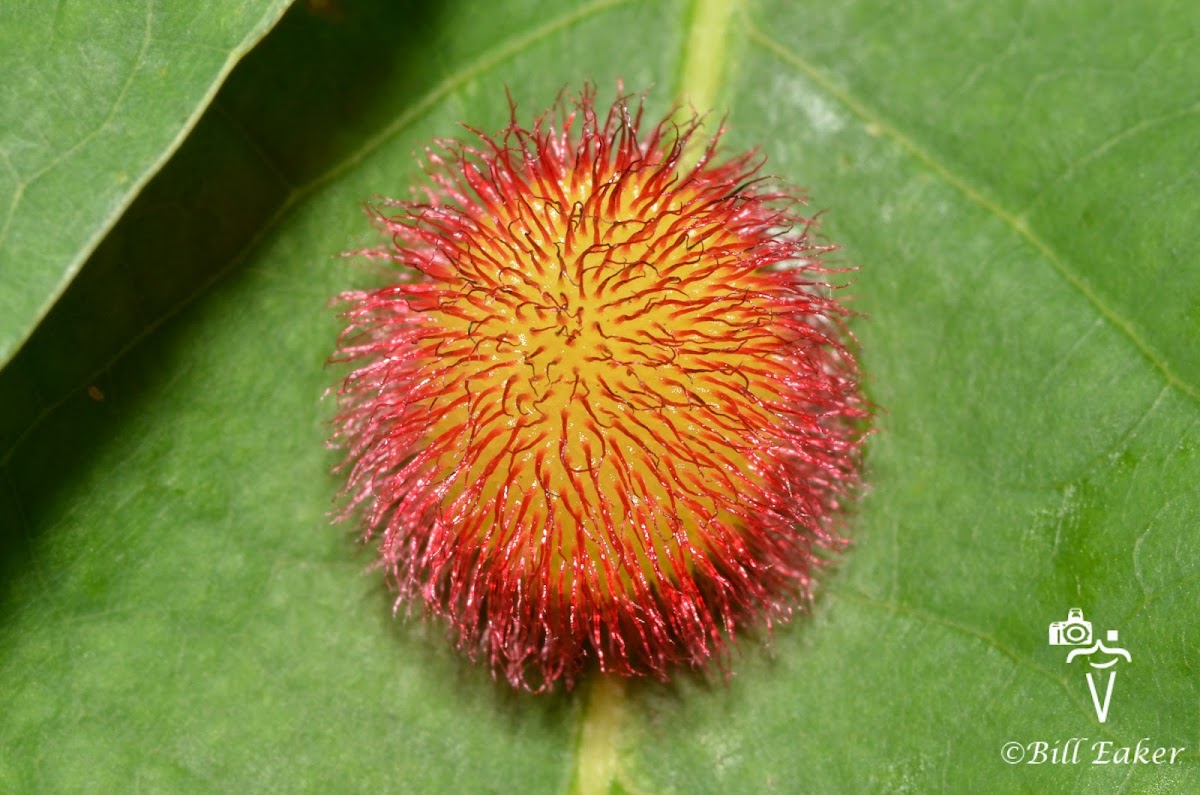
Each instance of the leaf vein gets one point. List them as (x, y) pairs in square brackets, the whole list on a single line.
[(448, 85), (1134, 130), (916, 613), (55, 161), (1015, 221)]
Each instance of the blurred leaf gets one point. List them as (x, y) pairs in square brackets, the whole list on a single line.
[(96, 96), (1017, 183)]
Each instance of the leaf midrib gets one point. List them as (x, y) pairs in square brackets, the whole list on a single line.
[(702, 70)]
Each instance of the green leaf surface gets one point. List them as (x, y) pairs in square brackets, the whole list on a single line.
[(1016, 183), (95, 97)]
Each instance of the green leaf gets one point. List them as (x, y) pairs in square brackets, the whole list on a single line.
[(1016, 183), (96, 97)]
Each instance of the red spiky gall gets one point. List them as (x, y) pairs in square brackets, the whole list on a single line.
[(606, 412)]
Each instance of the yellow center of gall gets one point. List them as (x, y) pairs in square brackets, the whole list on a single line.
[(607, 372)]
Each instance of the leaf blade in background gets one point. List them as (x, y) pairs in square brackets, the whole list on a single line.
[(96, 97)]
